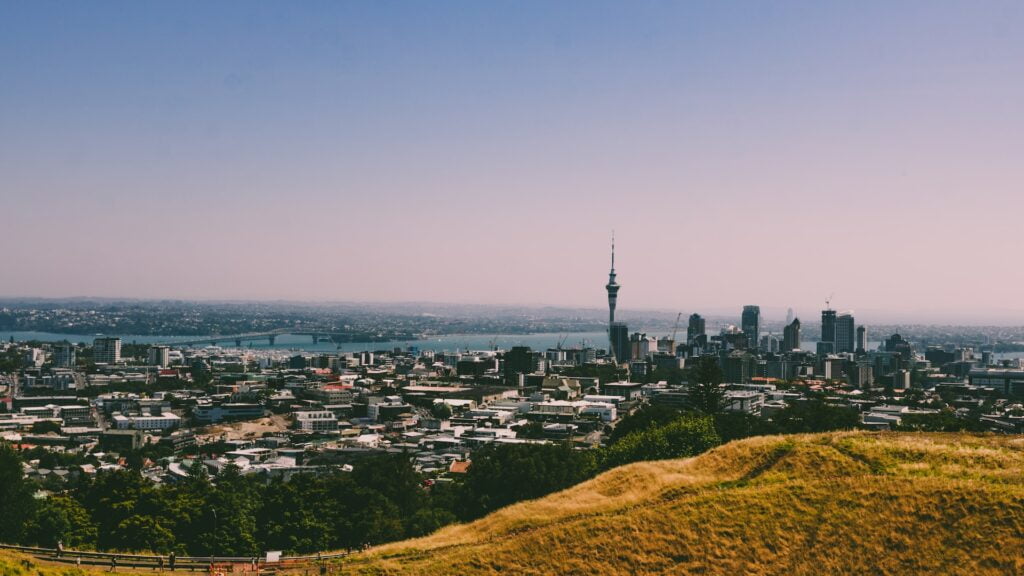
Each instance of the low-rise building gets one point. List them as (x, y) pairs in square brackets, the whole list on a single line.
[(316, 421), (210, 413), (167, 421), (1005, 382)]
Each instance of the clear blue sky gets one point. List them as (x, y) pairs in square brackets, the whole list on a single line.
[(745, 152)]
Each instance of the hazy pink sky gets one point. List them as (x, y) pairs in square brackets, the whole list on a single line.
[(744, 153)]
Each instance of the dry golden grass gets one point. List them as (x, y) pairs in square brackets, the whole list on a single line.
[(841, 503), (18, 564)]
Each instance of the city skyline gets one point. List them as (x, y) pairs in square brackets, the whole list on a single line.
[(349, 152)]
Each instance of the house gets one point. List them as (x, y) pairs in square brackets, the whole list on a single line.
[(459, 467)]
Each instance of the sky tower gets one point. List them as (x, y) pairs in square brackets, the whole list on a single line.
[(612, 287)]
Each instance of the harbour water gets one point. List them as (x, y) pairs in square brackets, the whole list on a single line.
[(449, 342), (445, 343)]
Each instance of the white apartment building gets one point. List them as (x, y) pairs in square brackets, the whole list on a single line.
[(318, 421)]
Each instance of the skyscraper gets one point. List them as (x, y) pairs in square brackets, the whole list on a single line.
[(518, 361), (862, 340), (750, 323), (618, 335), (695, 328), (64, 354), (106, 350), (828, 329), (158, 356), (845, 332), (791, 336)]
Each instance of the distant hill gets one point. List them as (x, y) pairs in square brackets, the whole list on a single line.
[(841, 503)]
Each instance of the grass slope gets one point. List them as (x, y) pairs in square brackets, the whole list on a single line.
[(840, 503), (18, 564)]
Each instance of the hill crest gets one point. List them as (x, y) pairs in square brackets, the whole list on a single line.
[(848, 502)]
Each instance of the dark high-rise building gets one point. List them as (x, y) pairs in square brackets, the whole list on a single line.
[(518, 360), (750, 323), (64, 354), (618, 334), (791, 336), (736, 367), (862, 340), (106, 350), (897, 343), (695, 328), (828, 328), (845, 332)]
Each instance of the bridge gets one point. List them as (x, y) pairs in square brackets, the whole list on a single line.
[(250, 337)]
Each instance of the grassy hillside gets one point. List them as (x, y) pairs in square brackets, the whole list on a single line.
[(17, 564), (852, 503)]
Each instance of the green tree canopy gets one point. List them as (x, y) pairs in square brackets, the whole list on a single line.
[(815, 416), (503, 474), (646, 417), (16, 503), (63, 519), (687, 435), (705, 388)]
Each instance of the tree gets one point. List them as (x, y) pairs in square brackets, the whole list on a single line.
[(944, 421), (672, 375), (375, 519), (532, 430), (16, 503), (914, 396), (63, 519), (441, 410), (504, 474), (815, 416), (146, 533), (46, 427), (394, 478), (736, 425), (295, 515), (687, 435), (112, 498), (705, 390), (427, 520), (647, 417), (231, 518)]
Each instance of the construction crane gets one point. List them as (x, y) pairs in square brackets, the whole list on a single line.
[(561, 341), (676, 328), (828, 301)]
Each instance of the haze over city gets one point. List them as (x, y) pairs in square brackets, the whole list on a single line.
[(463, 152)]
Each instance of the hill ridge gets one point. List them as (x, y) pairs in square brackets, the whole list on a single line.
[(763, 505)]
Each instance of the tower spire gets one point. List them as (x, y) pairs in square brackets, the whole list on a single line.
[(613, 252)]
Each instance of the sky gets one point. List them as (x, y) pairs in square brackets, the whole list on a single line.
[(768, 153)]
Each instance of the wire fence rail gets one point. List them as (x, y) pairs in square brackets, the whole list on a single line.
[(212, 564)]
